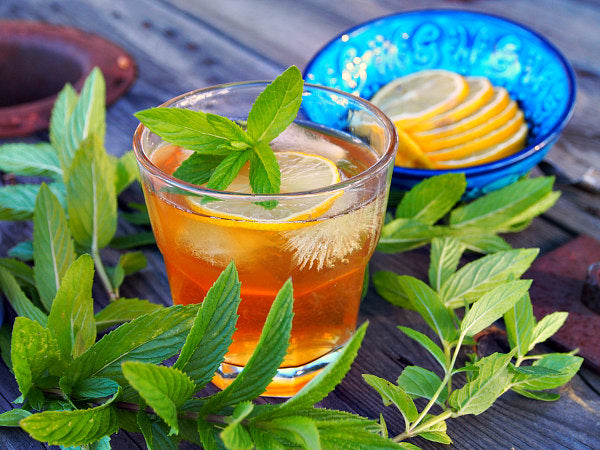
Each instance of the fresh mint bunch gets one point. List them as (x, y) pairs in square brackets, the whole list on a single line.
[(222, 147), (76, 391), (76, 210), (486, 290), (431, 210)]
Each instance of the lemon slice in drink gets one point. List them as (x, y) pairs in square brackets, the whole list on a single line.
[(511, 145), (419, 96), (480, 92), (300, 172)]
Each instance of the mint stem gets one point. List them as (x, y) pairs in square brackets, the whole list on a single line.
[(113, 294)]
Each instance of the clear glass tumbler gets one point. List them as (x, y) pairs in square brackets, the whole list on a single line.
[(322, 237)]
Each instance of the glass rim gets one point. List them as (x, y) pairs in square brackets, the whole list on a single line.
[(381, 163)]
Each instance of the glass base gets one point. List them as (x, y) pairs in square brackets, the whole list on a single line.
[(288, 380)]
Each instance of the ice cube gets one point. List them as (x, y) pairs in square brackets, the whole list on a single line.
[(300, 139)]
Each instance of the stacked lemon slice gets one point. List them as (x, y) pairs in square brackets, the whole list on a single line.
[(446, 120)]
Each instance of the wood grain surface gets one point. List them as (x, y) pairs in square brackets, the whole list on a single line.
[(180, 45)]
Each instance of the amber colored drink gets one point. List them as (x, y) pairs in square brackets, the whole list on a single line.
[(324, 253)]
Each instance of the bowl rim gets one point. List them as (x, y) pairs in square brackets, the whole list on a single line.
[(492, 166)]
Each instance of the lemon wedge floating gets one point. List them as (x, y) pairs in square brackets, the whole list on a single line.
[(445, 120), (299, 172), (416, 97)]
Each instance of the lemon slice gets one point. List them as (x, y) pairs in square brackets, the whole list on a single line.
[(480, 130), (419, 96), (491, 139), (299, 172), (409, 153), (496, 104), (480, 93), (512, 145)]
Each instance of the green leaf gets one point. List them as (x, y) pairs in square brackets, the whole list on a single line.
[(266, 358), (276, 107), (321, 385), (18, 300), (17, 202), (227, 170), (519, 322), (94, 388), (190, 129), (484, 274), (436, 432), (265, 175), (483, 243), (137, 217), (5, 336), (564, 365), (133, 240), (419, 382), (126, 172), (71, 318), (198, 168), (408, 446), (88, 118), (23, 251), (492, 305), (210, 337), (300, 430), (387, 284), (33, 353), (128, 263), (123, 310), (209, 435), (53, 249), (392, 394), (401, 235), (479, 394), (151, 338), (546, 327), (13, 417), (91, 198), (445, 256), (428, 304), (497, 210), (432, 198), (78, 427), (156, 432), (163, 388), (30, 160), (522, 220), (427, 343), (59, 120), (543, 396), (235, 435), (22, 272)]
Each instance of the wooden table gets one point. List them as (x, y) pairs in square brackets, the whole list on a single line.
[(180, 45)]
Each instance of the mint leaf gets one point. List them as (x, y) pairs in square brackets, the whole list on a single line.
[(276, 107), (300, 430), (5, 337), (483, 274), (94, 388), (151, 338), (546, 327), (13, 417), (87, 118), (390, 393), (126, 171), (387, 284), (265, 175), (210, 337), (163, 388), (59, 121), (419, 382), (483, 243), (123, 310), (405, 234), (53, 249), (491, 381), (78, 427), (71, 318), (33, 353), (23, 251), (235, 434), (427, 343), (30, 160), (128, 241), (227, 170), (17, 202), (18, 300), (427, 302), (198, 168), (192, 129), (445, 256), (91, 198), (543, 396), (432, 199), (519, 321), (266, 358), (21, 271), (565, 367), (128, 263), (492, 305)]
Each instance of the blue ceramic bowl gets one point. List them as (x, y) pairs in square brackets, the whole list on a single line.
[(368, 56)]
